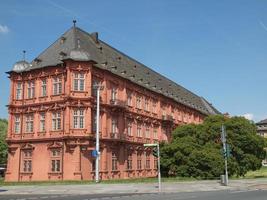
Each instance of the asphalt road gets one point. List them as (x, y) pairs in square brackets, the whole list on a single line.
[(213, 195)]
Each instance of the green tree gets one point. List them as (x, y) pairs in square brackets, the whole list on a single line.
[(195, 150), (3, 144)]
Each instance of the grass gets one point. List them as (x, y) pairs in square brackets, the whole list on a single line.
[(113, 181), (261, 173)]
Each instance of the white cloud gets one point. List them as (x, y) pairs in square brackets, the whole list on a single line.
[(248, 116), (4, 29)]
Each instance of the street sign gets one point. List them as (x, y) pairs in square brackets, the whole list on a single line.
[(94, 153)]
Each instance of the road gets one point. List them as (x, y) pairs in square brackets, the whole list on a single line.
[(211, 195)]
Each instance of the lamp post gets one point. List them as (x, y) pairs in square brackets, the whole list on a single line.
[(98, 87), (158, 155)]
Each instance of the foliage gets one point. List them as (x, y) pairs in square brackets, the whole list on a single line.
[(3, 145), (195, 150)]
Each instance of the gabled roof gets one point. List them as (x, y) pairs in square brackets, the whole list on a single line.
[(77, 44)]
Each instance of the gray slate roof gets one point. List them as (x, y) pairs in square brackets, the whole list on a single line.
[(77, 44), (262, 122)]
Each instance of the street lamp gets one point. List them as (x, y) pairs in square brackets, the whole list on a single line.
[(97, 87), (158, 155)]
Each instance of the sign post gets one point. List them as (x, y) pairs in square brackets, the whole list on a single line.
[(98, 87), (158, 156)]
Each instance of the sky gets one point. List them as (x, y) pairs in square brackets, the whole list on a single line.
[(216, 49)]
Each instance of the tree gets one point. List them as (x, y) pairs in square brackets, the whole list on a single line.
[(195, 150), (3, 144)]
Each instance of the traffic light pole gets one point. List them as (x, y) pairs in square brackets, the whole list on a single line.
[(225, 154), (159, 174), (156, 155)]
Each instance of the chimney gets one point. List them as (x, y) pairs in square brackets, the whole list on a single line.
[(95, 36)]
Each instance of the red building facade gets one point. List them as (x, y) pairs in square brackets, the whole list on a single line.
[(52, 112)]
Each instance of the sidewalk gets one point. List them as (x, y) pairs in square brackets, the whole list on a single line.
[(190, 186)]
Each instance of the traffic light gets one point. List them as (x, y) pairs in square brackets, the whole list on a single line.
[(228, 150), (155, 152)]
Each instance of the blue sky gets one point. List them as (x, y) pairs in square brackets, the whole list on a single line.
[(217, 49)]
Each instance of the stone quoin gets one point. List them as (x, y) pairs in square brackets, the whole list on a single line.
[(52, 112)]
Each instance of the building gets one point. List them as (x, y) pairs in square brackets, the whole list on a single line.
[(52, 112), (262, 128), (262, 131)]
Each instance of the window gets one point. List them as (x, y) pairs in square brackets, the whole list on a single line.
[(94, 121), (114, 125), (19, 91), (129, 162), (57, 85), (146, 104), (29, 123), (94, 90), (129, 128), (27, 161), (147, 132), (78, 118), (114, 162), (155, 133), (113, 93), (42, 122), (56, 121), (138, 102), (78, 83), (43, 88), (154, 106), (129, 99), (163, 110), (139, 130), (17, 124), (31, 89), (139, 161), (55, 160), (147, 160), (155, 163)]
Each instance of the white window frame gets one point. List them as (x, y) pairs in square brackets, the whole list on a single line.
[(30, 89), (19, 91), (42, 121), (139, 130), (79, 82), (57, 85), (56, 121), (44, 87), (114, 93), (78, 119), (114, 125), (29, 123), (17, 124)]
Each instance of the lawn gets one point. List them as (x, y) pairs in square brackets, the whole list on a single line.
[(261, 173), (116, 181)]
